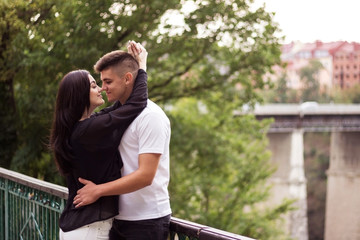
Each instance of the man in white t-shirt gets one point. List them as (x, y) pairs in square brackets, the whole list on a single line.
[(144, 205)]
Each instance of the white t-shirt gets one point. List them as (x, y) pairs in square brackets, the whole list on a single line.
[(148, 133)]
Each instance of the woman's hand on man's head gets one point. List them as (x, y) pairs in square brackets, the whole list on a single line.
[(139, 53)]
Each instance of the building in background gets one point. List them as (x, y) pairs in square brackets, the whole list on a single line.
[(340, 60)]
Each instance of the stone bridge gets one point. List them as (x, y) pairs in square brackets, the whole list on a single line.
[(286, 142)]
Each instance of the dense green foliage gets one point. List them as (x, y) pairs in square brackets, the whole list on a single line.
[(311, 85), (216, 53), (220, 168)]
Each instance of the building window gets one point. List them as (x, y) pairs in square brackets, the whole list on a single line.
[(321, 53)]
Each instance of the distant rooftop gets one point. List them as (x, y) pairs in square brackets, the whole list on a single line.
[(307, 108), (295, 48)]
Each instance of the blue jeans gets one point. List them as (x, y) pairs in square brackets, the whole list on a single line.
[(150, 229)]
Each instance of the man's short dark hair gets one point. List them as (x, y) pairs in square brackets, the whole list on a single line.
[(124, 62)]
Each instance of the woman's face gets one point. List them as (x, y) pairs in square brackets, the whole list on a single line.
[(96, 98)]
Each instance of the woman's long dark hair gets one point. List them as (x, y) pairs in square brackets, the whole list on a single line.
[(72, 99)]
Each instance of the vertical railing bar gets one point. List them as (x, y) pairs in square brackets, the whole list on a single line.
[(47, 217), (52, 225), (42, 220), (34, 225), (16, 215), (36, 217), (49, 220), (12, 209), (2, 208), (28, 204), (6, 197), (22, 215), (25, 217), (2, 213), (28, 233), (52, 222), (18, 212), (31, 211)]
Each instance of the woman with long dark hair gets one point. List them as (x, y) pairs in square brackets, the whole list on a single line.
[(86, 145)]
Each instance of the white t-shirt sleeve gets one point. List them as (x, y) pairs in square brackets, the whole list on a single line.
[(153, 133)]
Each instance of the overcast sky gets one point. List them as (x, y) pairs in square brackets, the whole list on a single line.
[(311, 20)]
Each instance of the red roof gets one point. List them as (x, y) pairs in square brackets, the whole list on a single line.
[(331, 47)]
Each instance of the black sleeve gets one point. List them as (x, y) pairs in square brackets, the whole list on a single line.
[(107, 109), (114, 123)]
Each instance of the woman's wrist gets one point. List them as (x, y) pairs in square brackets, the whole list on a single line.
[(143, 67)]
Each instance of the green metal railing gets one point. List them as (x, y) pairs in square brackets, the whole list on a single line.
[(30, 210)]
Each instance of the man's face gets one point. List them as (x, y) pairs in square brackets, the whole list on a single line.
[(113, 85)]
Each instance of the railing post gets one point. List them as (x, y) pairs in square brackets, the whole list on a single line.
[(6, 204)]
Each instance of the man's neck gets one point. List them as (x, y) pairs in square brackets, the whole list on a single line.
[(124, 98)]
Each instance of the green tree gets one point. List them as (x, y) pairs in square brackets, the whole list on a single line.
[(219, 176), (280, 92), (309, 77), (348, 95), (9, 27), (205, 51), (218, 43), (282, 89), (29, 70)]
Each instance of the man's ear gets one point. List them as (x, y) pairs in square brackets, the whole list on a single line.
[(129, 78)]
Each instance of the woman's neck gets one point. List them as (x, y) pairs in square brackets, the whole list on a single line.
[(86, 114)]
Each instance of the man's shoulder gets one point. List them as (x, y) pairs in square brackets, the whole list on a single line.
[(153, 110), (152, 107)]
